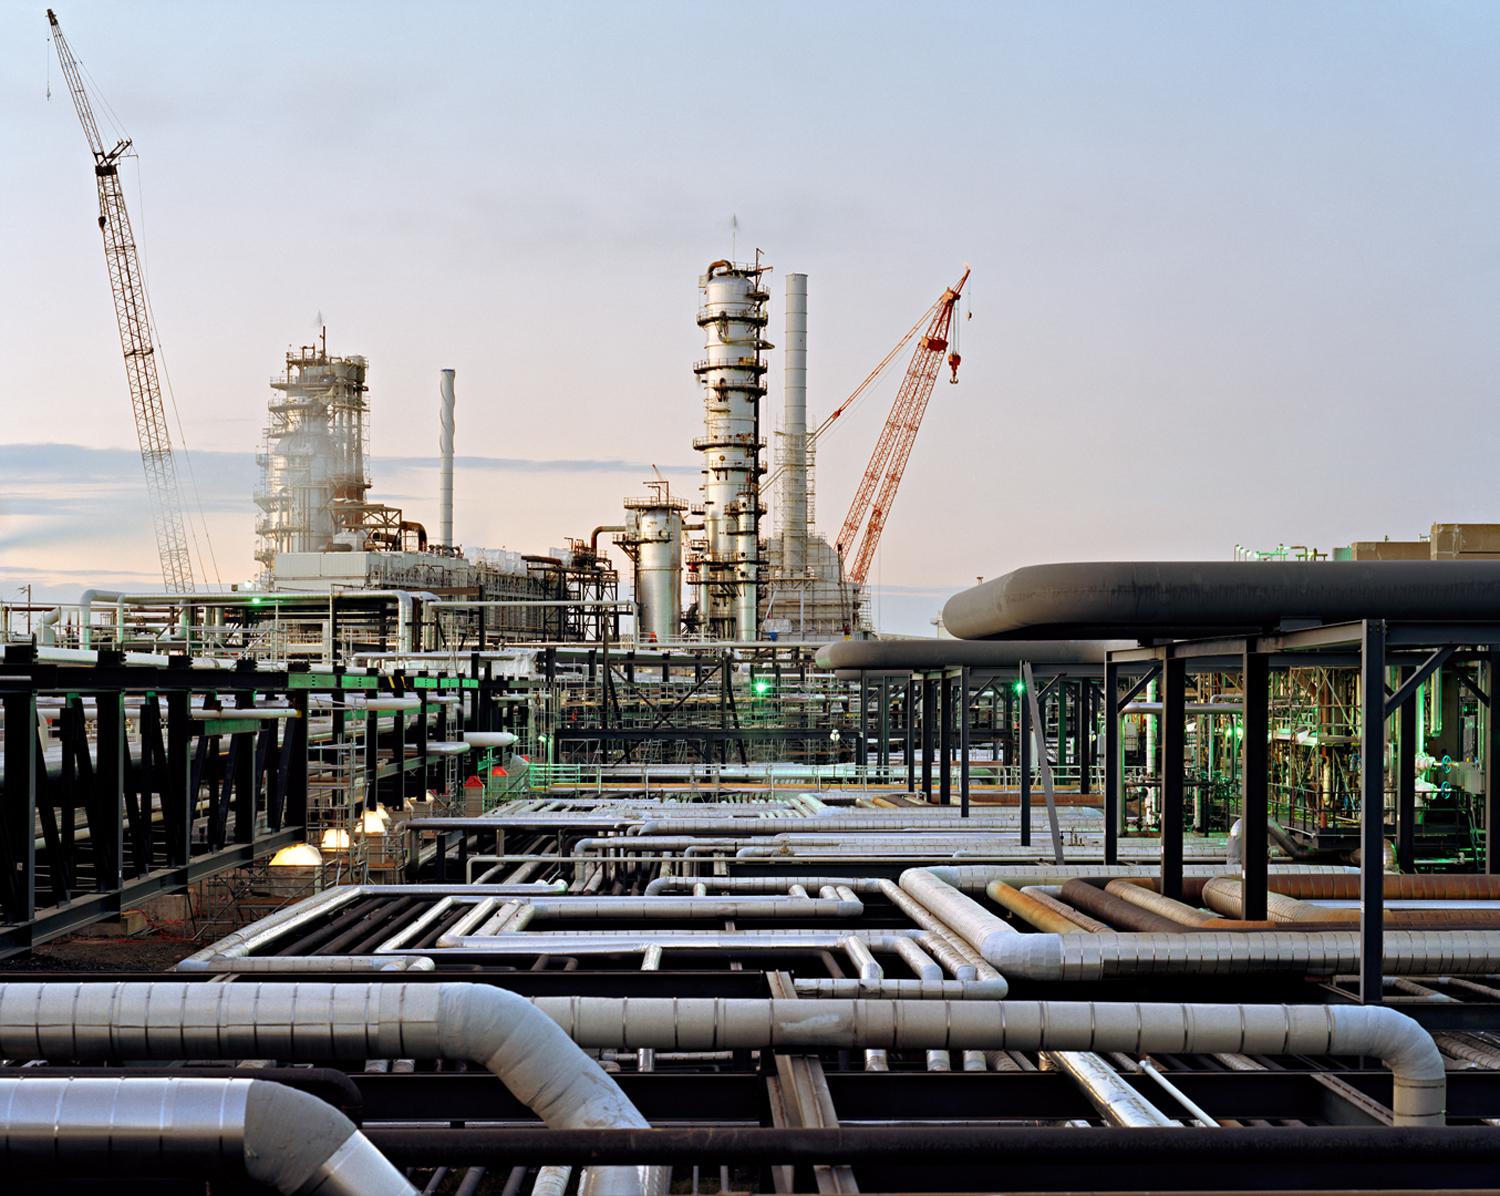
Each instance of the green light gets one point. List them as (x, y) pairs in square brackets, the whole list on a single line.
[(257, 600), (1018, 687), (762, 686)]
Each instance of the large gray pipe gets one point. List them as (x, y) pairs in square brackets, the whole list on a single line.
[(794, 426), (1050, 957), (445, 444), (150, 1128), (1166, 598), (716, 1024), (505, 1033)]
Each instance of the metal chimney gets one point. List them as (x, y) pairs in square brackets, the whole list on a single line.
[(794, 427), (445, 446)]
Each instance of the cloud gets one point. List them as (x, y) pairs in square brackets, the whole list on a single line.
[(539, 465)]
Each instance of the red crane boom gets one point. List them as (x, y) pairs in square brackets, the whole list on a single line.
[(893, 448)]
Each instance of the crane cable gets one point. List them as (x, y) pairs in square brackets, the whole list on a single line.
[(870, 379)]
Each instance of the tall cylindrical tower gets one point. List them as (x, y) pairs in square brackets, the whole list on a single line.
[(653, 539), (794, 430), (733, 317), (445, 445)]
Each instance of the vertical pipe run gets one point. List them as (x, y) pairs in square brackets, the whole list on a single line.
[(445, 447)]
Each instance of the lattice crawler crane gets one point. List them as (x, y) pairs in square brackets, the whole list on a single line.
[(133, 316), (882, 477)]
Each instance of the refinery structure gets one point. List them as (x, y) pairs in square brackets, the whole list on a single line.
[(416, 866)]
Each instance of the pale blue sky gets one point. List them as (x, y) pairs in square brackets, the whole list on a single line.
[(1235, 265)]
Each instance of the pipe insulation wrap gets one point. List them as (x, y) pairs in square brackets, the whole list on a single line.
[(711, 1024), (175, 1020), (277, 1136)]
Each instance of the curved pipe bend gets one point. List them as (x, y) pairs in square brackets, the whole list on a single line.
[(505, 1033), (278, 1136), (712, 1024)]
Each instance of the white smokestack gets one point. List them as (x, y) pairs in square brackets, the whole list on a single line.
[(445, 446), (794, 426)]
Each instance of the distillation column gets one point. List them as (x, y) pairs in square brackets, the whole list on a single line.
[(727, 561), (794, 427)]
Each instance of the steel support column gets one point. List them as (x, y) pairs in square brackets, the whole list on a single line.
[(929, 714), (945, 740), (1406, 783), (1372, 811), (1113, 790), (1254, 781), (909, 742), (963, 740), (1024, 763), (18, 818), (1083, 720), (883, 748), (1173, 778), (178, 798), (862, 736), (1492, 766)]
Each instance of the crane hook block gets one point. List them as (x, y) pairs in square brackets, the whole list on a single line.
[(953, 360)]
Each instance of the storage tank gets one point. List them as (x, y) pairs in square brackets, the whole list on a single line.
[(653, 540)]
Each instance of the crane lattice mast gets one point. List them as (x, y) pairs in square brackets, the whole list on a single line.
[(133, 317), (893, 448)]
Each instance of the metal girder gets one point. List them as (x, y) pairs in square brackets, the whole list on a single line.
[(50, 923), (1138, 686), (1039, 736), (1414, 681), (1468, 683), (1035, 1159)]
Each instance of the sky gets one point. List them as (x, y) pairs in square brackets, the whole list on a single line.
[(1235, 266)]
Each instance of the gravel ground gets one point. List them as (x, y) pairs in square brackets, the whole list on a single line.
[(146, 953)]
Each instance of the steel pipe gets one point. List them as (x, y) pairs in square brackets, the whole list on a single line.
[(541, 1067), (1420, 1084), (105, 1128)]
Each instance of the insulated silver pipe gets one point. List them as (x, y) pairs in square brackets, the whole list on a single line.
[(1114, 1100), (1044, 956), (709, 1024), (300, 1021), (148, 1128)]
